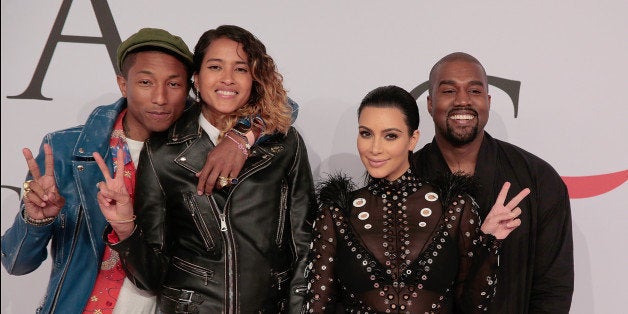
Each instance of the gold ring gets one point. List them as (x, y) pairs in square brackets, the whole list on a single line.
[(222, 182), (27, 185), (25, 195)]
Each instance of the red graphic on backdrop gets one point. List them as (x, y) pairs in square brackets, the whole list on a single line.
[(589, 186)]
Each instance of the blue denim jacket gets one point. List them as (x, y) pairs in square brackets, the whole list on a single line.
[(76, 233)]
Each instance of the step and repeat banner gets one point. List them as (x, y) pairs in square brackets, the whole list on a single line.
[(557, 74)]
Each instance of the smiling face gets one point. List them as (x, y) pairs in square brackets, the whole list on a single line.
[(459, 102), (384, 140), (224, 79), (156, 87)]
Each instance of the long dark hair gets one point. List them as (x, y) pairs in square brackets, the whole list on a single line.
[(392, 96)]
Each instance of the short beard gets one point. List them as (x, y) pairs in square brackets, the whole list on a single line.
[(461, 139)]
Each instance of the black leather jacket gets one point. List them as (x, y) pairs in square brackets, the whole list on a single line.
[(240, 250)]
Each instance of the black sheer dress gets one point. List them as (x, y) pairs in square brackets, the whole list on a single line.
[(400, 247)]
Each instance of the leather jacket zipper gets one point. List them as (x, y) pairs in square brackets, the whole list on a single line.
[(196, 270), (283, 208), (77, 229), (281, 277), (231, 287), (201, 225), (230, 284), (223, 222)]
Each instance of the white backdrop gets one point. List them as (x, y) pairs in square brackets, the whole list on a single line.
[(570, 57)]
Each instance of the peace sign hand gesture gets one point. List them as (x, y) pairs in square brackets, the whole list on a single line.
[(113, 198), (41, 197), (502, 219)]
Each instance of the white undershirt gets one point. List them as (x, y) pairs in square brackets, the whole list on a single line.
[(135, 147), (211, 130), (131, 299)]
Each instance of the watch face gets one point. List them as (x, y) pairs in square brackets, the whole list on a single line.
[(241, 127), (259, 122)]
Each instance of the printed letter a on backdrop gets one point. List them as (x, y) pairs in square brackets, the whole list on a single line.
[(110, 38)]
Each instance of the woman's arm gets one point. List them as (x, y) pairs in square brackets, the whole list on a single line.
[(302, 210)]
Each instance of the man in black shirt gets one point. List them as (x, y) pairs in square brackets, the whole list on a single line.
[(536, 264)]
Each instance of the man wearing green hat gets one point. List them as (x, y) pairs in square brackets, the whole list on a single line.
[(59, 203)]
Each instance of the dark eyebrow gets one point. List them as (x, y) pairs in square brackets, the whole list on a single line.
[(220, 60), (171, 76), (446, 82), (451, 82), (384, 131), (477, 83)]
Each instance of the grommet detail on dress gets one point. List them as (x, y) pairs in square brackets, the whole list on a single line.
[(396, 217), (426, 212), (359, 202), (431, 196)]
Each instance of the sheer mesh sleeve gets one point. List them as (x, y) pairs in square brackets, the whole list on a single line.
[(322, 287), (477, 274)]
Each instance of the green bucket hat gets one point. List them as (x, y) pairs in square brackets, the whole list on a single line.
[(154, 37)]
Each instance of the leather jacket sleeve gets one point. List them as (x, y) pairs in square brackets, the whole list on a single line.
[(143, 254), (303, 210)]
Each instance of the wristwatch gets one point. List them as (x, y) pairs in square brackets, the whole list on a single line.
[(243, 126)]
